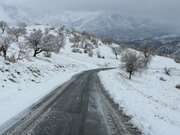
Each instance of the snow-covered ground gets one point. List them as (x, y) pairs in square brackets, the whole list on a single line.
[(153, 104), (28, 80)]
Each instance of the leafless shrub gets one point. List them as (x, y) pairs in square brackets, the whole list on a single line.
[(5, 41), (177, 59), (59, 42), (47, 54), (75, 50), (17, 32), (47, 30), (96, 46), (52, 28), (3, 26), (99, 56), (88, 46), (178, 86), (90, 54), (147, 52), (85, 51), (35, 71), (12, 80), (74, 46), (24, 51), (116, 51), (167, 71), (12, 58), (162, 79), (71, 40), (34, 41), (77, 39)]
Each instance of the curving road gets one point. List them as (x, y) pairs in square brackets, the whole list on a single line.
[(79, 107)]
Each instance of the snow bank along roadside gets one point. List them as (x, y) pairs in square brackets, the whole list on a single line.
[(153, 104), (25, 85)]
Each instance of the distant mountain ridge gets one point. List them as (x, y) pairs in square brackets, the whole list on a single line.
[(168, 45), (115, 25), (120, 27)]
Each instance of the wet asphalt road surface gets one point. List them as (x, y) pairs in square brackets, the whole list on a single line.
[(79, 107)]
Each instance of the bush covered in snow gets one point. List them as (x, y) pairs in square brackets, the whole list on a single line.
[(47, 54), (75, 50), (162, 79), (177, 59)]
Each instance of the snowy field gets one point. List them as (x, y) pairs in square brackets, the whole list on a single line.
[(153, 104)]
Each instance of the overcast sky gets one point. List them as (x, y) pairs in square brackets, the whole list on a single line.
[(168, 10)]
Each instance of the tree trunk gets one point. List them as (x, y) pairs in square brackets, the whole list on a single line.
[(35, 53), (116, 56), (17, 37), (4, 52), (3, 31), (130, 75)]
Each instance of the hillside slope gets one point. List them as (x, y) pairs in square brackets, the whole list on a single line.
[(29, 79)]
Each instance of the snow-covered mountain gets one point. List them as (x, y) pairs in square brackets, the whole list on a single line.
[(120, 27), (14, 15), (166, 45)]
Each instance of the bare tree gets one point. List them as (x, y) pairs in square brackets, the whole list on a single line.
[(59, 42), (77, 39), (48, 43), (47, 30), (116, 51), (62, 28), (34, 40), (5, 42), (24, 51), (131, 62), (107, 40), (147, 52), (18, 32), (51, 43), (3, 26), (94, 41), (45, 42)]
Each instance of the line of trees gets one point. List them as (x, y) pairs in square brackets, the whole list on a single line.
[(36, 40)]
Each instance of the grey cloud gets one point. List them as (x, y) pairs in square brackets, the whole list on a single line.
[(161, 9)]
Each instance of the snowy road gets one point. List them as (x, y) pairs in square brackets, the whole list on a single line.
[(79, 107)]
